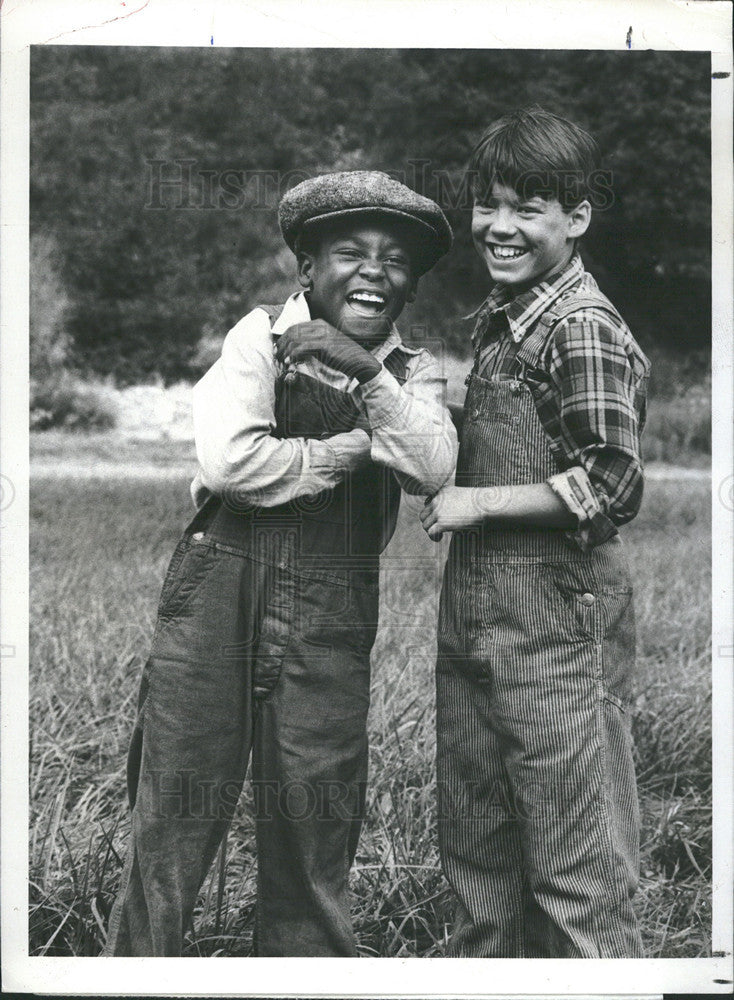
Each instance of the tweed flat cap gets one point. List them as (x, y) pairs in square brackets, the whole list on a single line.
[(358, 192)]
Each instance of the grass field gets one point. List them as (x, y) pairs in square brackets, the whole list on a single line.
[(99, 550)]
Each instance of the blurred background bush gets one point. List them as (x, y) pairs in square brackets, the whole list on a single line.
[(137, 280)]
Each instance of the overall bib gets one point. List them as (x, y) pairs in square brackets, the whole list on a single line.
[(538, 814), (262, 648)]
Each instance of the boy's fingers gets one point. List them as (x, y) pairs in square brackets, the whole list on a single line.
[(281, 346), (427, 516), (298, 349), (294, 352), (430, 520), (289, 342), (298, 329), (435, 534)]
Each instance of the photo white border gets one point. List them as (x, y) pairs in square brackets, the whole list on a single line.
[(541, 24)]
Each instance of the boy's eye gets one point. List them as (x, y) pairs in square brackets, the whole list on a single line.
[(397, 261), (530, 209), (348, 252)]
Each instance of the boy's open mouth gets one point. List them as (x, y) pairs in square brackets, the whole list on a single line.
[(367, 303), (500, 252)]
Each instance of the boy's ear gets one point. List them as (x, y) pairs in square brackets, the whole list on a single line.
[(410, 297), (578, 219), (304, 263)]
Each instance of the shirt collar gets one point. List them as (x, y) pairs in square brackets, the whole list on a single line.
[(523, 311), (296, 310)]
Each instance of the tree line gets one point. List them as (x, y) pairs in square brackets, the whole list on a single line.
[(155, 176)]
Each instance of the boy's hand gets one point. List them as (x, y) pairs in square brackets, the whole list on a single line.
[(451, 509), (319, 339)]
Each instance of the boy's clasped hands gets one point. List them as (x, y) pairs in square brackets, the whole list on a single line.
[(321, 340)]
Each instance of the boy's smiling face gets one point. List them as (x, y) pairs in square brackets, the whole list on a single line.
[(525, 240), (359, 277)]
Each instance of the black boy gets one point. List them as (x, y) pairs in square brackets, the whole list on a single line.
[(305, 427)]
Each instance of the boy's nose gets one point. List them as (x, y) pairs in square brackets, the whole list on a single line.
[(503, 222), (371, 268)]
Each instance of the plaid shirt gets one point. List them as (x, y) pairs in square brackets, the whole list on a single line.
[(590, 396)]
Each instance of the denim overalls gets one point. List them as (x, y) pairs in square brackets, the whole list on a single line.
[(262, 646), (538, 815)]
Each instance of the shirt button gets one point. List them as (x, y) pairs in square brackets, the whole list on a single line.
[(587, 599), (475, 413)]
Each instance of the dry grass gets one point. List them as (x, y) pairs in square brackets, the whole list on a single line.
[(99, 551)]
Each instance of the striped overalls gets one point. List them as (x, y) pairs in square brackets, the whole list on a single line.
[(538, 814), (262, 646)]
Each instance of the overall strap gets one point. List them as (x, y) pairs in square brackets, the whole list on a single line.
[(533, 347), (397, 364)]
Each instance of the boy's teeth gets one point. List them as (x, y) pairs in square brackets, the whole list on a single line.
[(367, 303), (507, 253)]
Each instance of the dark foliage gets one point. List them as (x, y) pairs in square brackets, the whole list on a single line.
[(150, 269)]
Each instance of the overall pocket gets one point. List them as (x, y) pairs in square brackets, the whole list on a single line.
[(337, 606), (603, 615), (593, 609), (312, 613), (493, 451), (189, 566)]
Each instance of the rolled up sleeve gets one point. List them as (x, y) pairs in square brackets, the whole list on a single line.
[(598, 427)]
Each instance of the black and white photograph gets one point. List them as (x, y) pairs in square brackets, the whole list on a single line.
[(367, 500)]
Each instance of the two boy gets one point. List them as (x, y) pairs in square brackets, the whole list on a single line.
[(538, 820), (306, 428), (538, 816)]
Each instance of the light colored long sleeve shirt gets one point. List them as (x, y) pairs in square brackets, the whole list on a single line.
[(234, 419)]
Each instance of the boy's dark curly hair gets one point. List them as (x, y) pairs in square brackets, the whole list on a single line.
[(536, 153)]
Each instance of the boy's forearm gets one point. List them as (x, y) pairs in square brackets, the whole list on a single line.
[(534, 505), (455, 508), (237, 452), (412, 432)]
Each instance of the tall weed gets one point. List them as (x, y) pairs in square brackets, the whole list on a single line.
[(99, 552)]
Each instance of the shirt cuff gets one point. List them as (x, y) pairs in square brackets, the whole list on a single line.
[(382, 397), (351, 450), (573, 487)]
